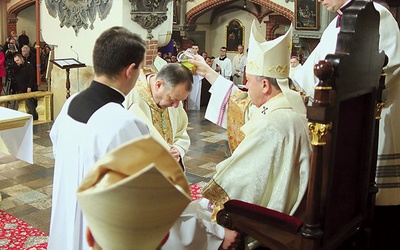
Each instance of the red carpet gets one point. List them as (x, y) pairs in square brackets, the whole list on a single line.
[(195, 190), (17, 234)]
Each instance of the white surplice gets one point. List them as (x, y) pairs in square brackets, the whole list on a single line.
[(76, 148), (293, 70), (194, 98), (388, 179), (226, 66), (238, 64), (270, 167)]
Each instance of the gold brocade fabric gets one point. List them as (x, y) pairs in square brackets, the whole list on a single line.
[(217, 195), (236, 118), (160, 116)]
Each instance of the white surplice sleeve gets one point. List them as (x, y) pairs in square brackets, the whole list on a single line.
[(217, 107)]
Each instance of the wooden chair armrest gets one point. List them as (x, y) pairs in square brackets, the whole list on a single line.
[(257, 214), (272, 229)]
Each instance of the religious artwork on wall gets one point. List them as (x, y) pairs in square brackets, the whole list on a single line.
[(234, 34), (149, 14), (78, 13), (306, 14)]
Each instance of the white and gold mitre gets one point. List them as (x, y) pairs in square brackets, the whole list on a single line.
[(269, 58)]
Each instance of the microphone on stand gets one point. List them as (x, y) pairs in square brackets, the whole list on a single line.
[(76, 53)]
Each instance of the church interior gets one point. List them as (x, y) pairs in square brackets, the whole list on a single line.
[(26, 187)]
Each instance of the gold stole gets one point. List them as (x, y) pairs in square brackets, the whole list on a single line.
[(217, 195), (159, 116), (236, 118)]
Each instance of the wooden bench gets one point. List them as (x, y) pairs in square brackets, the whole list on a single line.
[(44, 107)]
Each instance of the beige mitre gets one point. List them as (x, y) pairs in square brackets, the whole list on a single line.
[(272, 59), (133, 196)]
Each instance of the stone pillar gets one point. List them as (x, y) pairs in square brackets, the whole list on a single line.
[(3, 20)]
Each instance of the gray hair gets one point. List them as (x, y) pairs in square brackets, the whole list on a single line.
[(26, 48), (175, 73), (270, 80)]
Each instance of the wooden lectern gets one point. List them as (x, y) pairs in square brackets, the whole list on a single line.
[(67, 64)]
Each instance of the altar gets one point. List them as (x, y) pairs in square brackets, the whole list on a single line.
[(16, 134)]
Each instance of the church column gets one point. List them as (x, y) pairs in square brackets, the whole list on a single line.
[(3, 20)]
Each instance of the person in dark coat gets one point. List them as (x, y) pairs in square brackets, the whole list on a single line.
[(25, 82), (23, 39)]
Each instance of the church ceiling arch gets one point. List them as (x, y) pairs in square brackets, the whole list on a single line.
[(258, 8), (13, 11)]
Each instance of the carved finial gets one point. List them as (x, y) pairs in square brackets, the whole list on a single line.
[(324, 71)]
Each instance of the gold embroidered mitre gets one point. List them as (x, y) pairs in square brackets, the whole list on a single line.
[(269, 58), (272, 59)]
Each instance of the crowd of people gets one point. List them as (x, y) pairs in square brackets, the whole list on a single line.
[(18, 72)]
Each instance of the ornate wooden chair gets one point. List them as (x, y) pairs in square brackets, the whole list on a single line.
[(343, 122)]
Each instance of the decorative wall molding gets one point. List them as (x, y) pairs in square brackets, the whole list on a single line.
[(149, 14), (78, 13), (200, 9)]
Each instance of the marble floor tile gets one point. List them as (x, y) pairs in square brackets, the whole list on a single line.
[(5, 182), (9, 203), (40, 183), (23, 210), (16, 190), (42, 203), (31, 196)]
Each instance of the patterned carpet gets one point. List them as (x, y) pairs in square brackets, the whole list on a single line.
[(17, 234)]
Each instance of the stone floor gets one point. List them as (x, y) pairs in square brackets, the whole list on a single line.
[(26, 188)]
